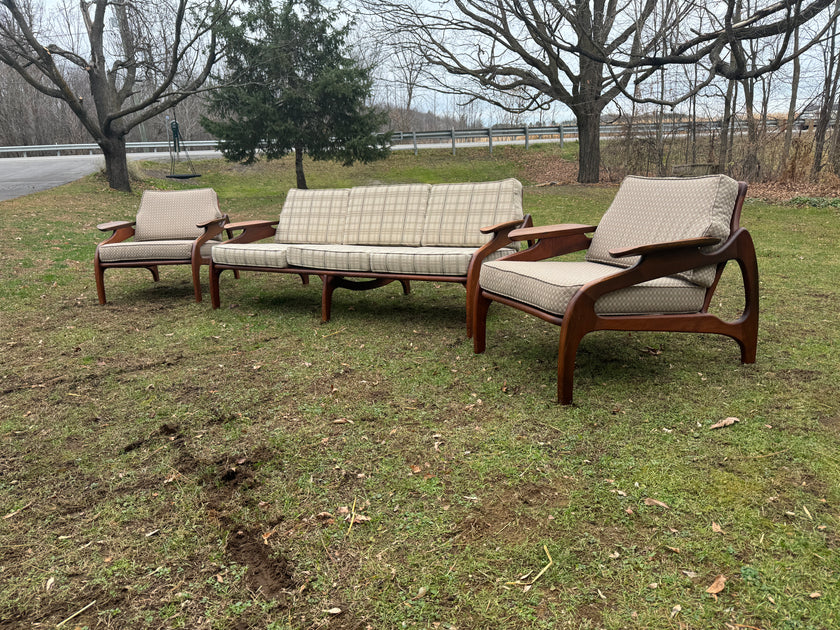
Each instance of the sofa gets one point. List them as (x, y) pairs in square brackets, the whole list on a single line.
[(368, 236)]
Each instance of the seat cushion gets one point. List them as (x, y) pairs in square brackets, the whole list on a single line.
[(175, 214), (151, 250), (657, 210), (386, 215), (313, 216), (251, 254), (550, 285), (332, 257), (457, 212), (432, 261)]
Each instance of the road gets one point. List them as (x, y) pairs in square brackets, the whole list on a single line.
[(23, 176)]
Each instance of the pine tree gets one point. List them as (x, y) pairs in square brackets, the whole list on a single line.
[(290, 85)]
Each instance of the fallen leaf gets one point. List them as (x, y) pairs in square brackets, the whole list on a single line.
[(691, 574), (675, 611), (716, 528), (674, 549), (615, 555), (726, 422), (717, 586), (334, 611), (652, 502), (815, 595), (49, 584)]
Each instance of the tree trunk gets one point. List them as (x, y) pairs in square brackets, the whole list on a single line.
[(791, 116), (301, 178), (116, 163), (589, 138)]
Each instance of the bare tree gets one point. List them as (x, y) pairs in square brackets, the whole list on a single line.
[(585, 54), (140, 59)]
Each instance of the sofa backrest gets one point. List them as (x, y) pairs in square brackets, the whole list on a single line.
[(175, 214), (386, 215), (313, 216), (650, 210), (457, 212)]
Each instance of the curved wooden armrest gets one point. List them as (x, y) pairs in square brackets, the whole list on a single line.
[(244, 225), (500, 226), (551, 231), (114, 225), (221, 221), (641, 250), (251, 231)]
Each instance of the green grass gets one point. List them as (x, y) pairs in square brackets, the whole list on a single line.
[(189, 468)]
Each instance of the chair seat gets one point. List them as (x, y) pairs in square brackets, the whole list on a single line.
[(550, 285), (252, 254), (179, 249)]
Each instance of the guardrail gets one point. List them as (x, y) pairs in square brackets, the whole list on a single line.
[(403, 140)]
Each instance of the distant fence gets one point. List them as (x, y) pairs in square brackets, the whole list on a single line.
[(416, 140)]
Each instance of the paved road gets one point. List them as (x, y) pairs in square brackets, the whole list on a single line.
[(22, 176)]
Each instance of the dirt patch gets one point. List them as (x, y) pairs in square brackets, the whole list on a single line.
[(271, 576)]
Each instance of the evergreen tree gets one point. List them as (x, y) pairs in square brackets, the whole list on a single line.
[(290, 85)]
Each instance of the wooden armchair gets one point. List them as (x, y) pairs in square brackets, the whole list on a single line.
[(171, 228), (652, 265)]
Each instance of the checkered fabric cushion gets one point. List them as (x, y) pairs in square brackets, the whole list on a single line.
[(150, 250), (386, 215), (313, 216), (174, 214), (438, 261), (550, 285), (252, 254), (333, 257), (456, 212), (657, 210)]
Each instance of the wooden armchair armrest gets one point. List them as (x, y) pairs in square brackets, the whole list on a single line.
[(114, 225), (251, 231), (551, 231), (501, 226), (642, 250)]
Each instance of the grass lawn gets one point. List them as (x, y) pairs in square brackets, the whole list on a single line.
[(164, 465)]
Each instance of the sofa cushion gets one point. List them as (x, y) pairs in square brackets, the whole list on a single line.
[(174, 214), (252, 254), (550, 285), (332, 257), (657, 210), (438, 261), (386, 215), (457, 212), (313, 216), (150, 250)]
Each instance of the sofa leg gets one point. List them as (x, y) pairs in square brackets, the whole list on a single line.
[(304, 278), (215, 299), (406, 285), (479, 322), (330, 283), (155, 272)]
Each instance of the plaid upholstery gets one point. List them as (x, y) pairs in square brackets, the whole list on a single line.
[(438, 261), (386, 215), (313, 216), (456, 212), (550, 286), (656, 210), (150, 250), (174, 214), (333, 257), (251, 254)]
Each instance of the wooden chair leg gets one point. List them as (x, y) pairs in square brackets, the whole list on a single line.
[(196, 279), (155, 273), (479, 322), (571, 333), (99, 274), (406, 285), (304, 278), (215, 299)]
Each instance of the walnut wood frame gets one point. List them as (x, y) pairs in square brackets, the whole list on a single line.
[(124, 230), (333, 279), (656, 261)]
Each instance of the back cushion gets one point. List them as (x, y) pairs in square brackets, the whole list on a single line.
[(457, 212), (174, 214), (657, 210), (313, 216), (386, 215)]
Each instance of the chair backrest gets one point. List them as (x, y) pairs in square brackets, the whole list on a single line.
[(648, 210), (386, 215), (175, 214), (313, 216), (457, 212)]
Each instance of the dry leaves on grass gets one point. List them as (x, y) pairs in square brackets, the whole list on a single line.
[(726, 422), (717, 586), (654, 502)]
